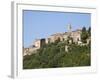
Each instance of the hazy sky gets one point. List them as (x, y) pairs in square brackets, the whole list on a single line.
[(41, 24)]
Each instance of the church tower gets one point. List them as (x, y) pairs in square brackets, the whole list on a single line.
[(69, 28)]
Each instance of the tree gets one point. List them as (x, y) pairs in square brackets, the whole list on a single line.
[(89, 31), (84, 35)]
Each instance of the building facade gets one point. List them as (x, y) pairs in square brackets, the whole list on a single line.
[(39, 43), (76, 35)]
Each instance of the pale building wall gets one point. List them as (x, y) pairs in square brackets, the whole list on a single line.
[(66, 48), (47, 40), (55, 37), (76, 35), (29, 51), (52, 39), (37, 43), (65, 37)]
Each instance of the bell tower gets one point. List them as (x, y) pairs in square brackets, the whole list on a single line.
[(69, 28)]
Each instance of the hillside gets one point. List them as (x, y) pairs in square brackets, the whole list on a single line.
[(53, 55)]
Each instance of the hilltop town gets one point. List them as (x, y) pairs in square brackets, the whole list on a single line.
[(70, 36), (66, 49)]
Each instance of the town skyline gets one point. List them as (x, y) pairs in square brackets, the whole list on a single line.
[(52, 22), (33, 43)]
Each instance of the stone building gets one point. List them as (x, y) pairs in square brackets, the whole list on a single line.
[(65, 36), (34, 47), (55, 37), (25, 51), (39, 43), (76, 35), (29, 50)]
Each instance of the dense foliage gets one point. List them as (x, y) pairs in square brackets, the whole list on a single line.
[(85, 34), (54, 55)]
